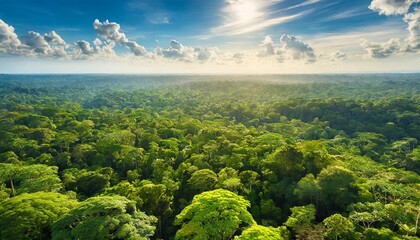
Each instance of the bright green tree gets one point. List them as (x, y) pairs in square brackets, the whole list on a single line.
[(104, 217), (217, 214), (257, 232), (31, 178), (29, 216), (301, 215), (339, 227)]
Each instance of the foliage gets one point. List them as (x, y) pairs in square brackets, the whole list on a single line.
[(217, 214), (343, 145), (30, 215), (258, 232), (339, 227), (301, 216), (104, 218)]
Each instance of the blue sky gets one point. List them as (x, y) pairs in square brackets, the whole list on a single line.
[(240, 36)]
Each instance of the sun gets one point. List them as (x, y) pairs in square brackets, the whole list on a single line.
[(246, 11)]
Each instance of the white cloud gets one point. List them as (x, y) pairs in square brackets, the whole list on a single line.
[(305, 3), (9, 41), (245, 16), (137, 49), (268, 45), (266, 24), (178, 51), (85, 47), (97, 42), (54, 38), (345, 14), (338, 56), (290, 48), (37, 42), (238, 58), (48, 45), (413, 20), (395, 46), (99, 50), (153, 12), (391, 7), (383, 50), (110, 31)]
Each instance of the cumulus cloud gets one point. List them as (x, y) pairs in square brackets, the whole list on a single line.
[(238, 57), (50, 45), (85, 47), (110, 31), (137, 49), (37, 42), (177, 51), (391, 7), (383, 50), (9, 41), (268, 46), (413, 21), (294, 49), (98, 50), (54, 38), (338, 56), (290, 48), (395, 46)]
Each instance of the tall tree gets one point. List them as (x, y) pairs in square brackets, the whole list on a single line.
[(29, 216), (104, 217), (217, 214)]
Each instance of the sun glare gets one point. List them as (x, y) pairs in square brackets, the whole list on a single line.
[(246, 11)]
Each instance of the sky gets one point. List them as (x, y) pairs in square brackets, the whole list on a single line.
[(209, 36)]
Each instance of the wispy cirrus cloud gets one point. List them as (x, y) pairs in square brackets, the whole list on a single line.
[(245, 16), (153, 12), (346, 14), (237, 30), (303, 4)]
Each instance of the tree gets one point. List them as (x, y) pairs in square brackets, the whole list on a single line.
[(157, 200), (287, 160), (91, 183), (301, 216), (29, 216), (270, 213), (104, 217), (217, 214), (257, 232), (125, 189), (203, 180), (380, 234), (229, 180), (308, 190), (367, 213), (337, 188), (249, 179), (32, 178), (339, 227)]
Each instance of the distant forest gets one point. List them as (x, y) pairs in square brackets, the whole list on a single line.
[(210, 157)]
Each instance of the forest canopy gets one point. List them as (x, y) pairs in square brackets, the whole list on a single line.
[(210, 157)]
